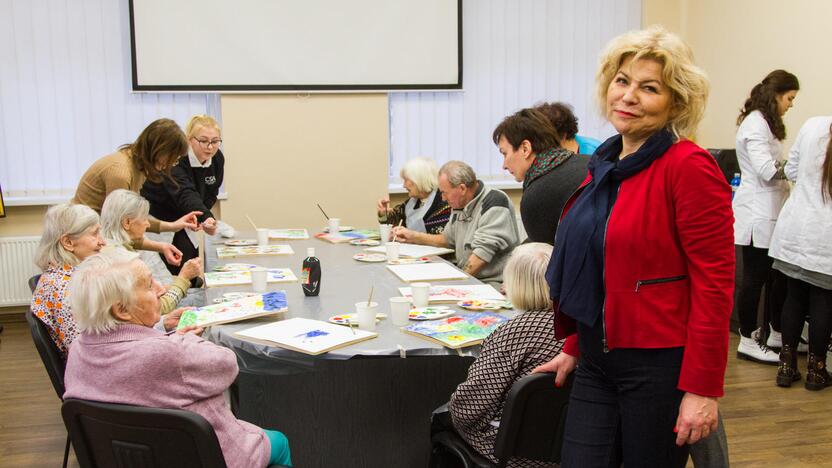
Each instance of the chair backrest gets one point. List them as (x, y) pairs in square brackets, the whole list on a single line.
[(33, 282), (727, 161), (52, 359), (112, 435), (534, 416)]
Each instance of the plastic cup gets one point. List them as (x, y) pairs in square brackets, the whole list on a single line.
[(366, 315), (420, 293), (399, 310), (259, 279), (334, 225), (384, 232), (392, 249), (262, 236)]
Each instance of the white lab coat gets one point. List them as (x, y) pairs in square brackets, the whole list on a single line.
[(760, 197), (803, 235)]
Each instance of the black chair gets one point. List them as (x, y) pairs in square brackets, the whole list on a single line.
[(33, 282), (727, 161), (534, 417), (51, 357), (111, 435)]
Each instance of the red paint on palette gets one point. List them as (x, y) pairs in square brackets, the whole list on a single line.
[(454, 319)]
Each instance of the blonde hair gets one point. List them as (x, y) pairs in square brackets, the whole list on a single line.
[(199, 121), (119, 205), (61, 220), (687, 82), (101, 282), (524, 276), (423, 173)]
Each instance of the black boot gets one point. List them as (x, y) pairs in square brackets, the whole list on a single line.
[(816, 377), (787, 369)]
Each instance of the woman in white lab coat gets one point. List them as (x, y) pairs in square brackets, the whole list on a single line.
[(801, 246), (757, 203)]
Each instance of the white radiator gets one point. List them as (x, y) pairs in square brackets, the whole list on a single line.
[(16, 267)]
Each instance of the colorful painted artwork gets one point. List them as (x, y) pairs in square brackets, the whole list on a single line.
[(230, 278), (240, 242), (454, 293), (233, 311), (365, 242), (235, 267), (430, 313), (458, 331), (306, 335), (476, 304), (243, 251), (348, 235), (288, 234)]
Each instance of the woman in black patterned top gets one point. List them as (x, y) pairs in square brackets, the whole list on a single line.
[(508, 354), (425, 210)]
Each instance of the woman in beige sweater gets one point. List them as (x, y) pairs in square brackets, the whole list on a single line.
[(150, 157)]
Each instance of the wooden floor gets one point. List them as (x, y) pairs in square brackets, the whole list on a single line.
[(766, 425)]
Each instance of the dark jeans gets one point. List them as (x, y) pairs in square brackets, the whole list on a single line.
[(756, 273), (183, 243), (623, 407), (805, 298)]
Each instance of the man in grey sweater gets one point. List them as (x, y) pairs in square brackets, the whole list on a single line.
[(482, 228)]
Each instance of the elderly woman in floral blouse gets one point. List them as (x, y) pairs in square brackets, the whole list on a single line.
[(71, 233), (511, 352)]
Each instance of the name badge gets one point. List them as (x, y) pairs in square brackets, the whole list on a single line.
[(210, 180)]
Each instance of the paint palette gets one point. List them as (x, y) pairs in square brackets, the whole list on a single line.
[(365, 242), (370, 257), (430, 313), (409, 261), (346, 319), (233, 296), (340, 229), (476, 304), (235, 267), (240, 242)]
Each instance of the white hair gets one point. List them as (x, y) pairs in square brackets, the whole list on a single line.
[(121, 204), (524, 276), (61, 220), (459, 173), (423, 173), (101, 282)]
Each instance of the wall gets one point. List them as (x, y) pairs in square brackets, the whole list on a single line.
[(22, 221), (288, 152), (739, 42)]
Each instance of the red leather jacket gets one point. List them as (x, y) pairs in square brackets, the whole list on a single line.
[(669, 266)]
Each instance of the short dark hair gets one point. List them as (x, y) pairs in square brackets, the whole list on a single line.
[(160, 142), (561, 117), (527, 124)]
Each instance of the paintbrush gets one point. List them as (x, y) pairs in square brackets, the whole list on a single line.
[(396, 235), (252, 222), (322, 211), (370, 298)]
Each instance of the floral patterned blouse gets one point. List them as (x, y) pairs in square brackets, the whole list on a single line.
[(50, 305)]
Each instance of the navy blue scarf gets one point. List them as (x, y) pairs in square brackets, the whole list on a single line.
[(576, 270)]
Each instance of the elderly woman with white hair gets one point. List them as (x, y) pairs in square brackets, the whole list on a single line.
[(424, 211), (117, 358), (71, 233), (124, 220), (508, 354)]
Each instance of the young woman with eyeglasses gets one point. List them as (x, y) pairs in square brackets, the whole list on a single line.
[(194, 185)]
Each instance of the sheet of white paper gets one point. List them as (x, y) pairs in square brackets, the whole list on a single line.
[(311, 336), (413, 250), (427, 272)]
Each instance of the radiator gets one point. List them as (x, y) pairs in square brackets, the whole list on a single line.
[(16, 267)]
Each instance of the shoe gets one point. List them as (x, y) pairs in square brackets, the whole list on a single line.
[(775, 340), (817, 378), (787, 372), (751, 350)]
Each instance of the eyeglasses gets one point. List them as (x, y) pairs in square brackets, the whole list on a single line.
[(209, 143)]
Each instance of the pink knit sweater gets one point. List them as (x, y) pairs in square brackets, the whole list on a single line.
[(137, 365)]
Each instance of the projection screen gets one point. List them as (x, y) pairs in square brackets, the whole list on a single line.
[(295, 45)]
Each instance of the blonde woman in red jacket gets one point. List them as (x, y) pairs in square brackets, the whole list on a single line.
[(643, 271)]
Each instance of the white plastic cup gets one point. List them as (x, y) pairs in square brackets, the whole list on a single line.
[(366, 315), (259, 279), (399, 310), (334, 225), (420, 293), (262, 236), (392, 249), (384, 232)]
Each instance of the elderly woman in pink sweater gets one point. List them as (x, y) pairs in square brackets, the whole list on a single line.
[(120, 358)]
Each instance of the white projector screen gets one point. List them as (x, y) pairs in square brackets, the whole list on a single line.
[(296, 45)]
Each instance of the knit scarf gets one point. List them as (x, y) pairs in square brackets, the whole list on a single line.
[(576, 270), (545, 162)]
